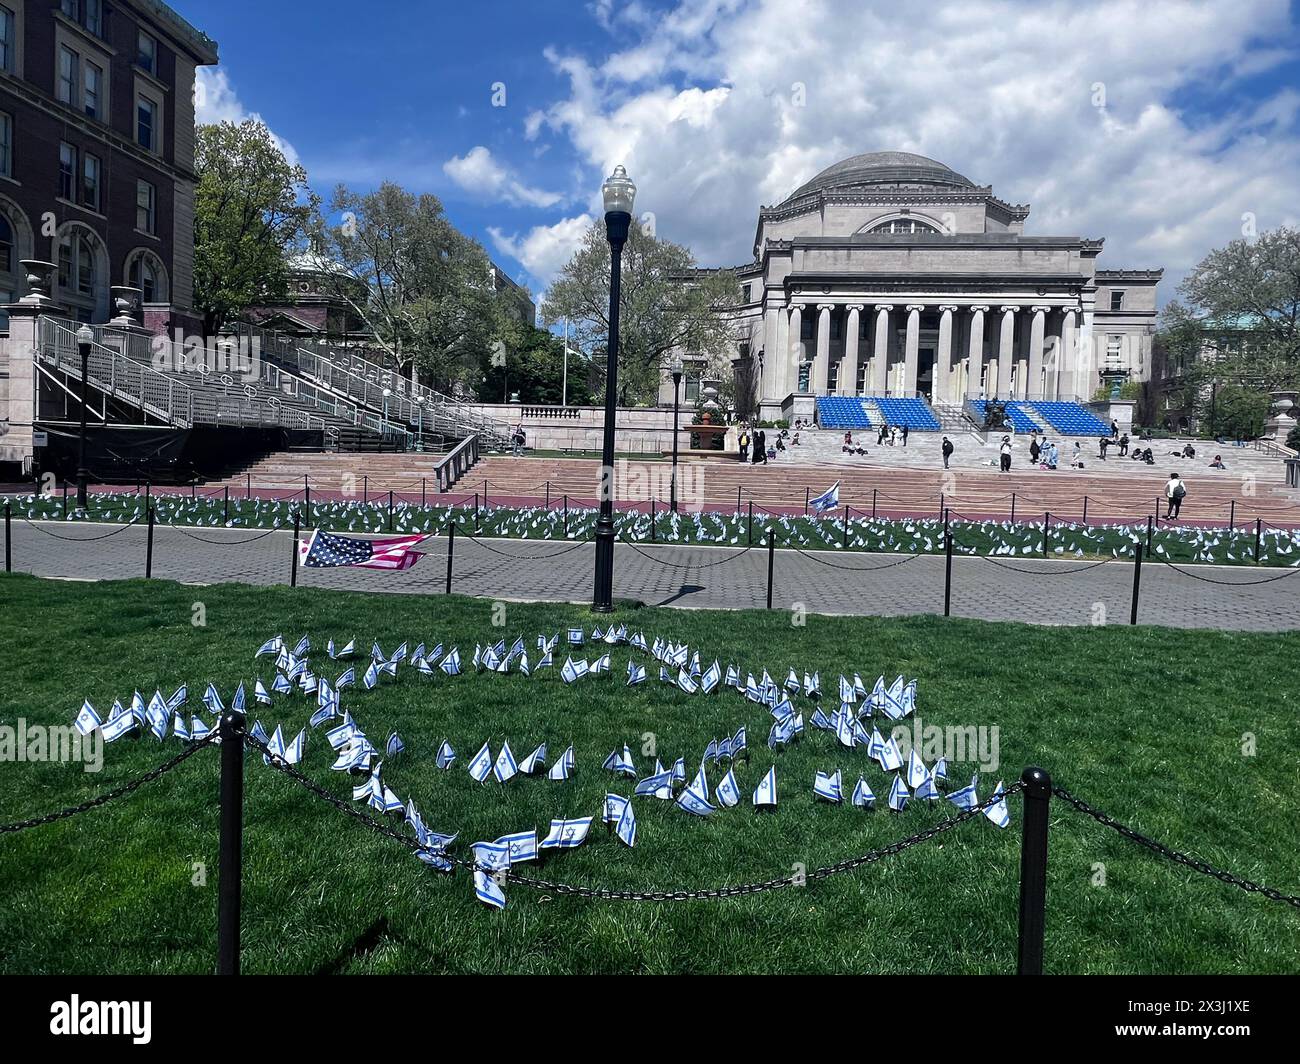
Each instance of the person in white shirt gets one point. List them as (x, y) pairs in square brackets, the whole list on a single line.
[(1005, 452), (1175, 491)]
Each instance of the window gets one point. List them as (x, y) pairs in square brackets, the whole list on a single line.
[(6, 245), (836, 326), (691, 388), (93, 78), (145, 204), (749, 293), (833, 378), (146, 118), (806, 327), (1117, 301), (69, 64), (77, 265), (88, 13), (905, 225), (67, 171), (146, 274), (146, 53), (6, 145), (8, 40), (90, 172)]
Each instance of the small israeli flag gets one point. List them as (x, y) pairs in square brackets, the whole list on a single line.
[(446, 755), (686, 682), (791, 682), (966, 799), (294, 751), (271, 646), (87, 720), (394, 745), (566, 834), (625, 827), (198, 730), (739, 744), (451, 663), (213, 700), (304, 645), (898, 795), (940, 770), (916, 770), (179, 697), (829, 788), (506, 767), (520, 847), (765, 792), (711, 678), (347, 678), (997, 812), (179, 728), (534, 762), (695, 798), (827, 500), (118, 727), (481, 764), (636, 674), (927, 790), (728, 792), (862, 796), (660, 785), (733, 677), (890, 758), (612, 809), (261, 694), (371, 678), (576, 637)]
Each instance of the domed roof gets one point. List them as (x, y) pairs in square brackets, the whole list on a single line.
[(884, 168), (314, 262)]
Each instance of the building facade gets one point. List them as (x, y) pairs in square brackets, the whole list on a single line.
[(891, 274), (97, 152)]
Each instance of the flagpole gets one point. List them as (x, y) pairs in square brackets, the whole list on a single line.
[(564, 379)]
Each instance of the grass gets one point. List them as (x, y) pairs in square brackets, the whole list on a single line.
[(1144, 723), (1065, 540)]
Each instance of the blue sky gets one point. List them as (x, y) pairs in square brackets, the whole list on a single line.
[(1159, 125)]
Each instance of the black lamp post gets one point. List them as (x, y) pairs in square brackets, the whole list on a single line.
[(85, 337), (677, 386), (619, 194)]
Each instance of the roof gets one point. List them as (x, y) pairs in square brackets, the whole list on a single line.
[(884, 168)]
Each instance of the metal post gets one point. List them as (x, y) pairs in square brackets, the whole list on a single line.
[(306, 495), (225, 505), (9, 539), (390, 510), (1047, 518), (548, 494), (1259, 525), (365, 490), (941, 505), (65, 500), (652, 520), (751, 522), (1149, 531), (771, 562), (566, 517), (1033, 871), (1137, 583), (1085, 509), (423, 502), (677, 388), (1013, 507), (451, 547), (873, 504), (738, 499), (148, 547), (485, 493), (807, 497), (846, 526), (248, 485), (82, 475), (476, 526), (1232, 514), (230, 851), (947, 573), (293, 568)]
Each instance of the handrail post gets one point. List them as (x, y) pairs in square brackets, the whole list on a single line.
[(1013, 507), (1150, 521), (231, 846), (1137, 583), (873, 504), (390, 509), (1033, 871), (1232, 514), (771, 562), (846, 526), (1085, 509), (225, 505), (653, 515)]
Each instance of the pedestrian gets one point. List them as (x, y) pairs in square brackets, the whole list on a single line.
[(517, 440), (760, 447), (1005, 452), (744, 442), (880, 436), (1076, 460), (1102, 443), (1123, 446), (947, 451), (1035, 448), (1114, 429), (904, 435), (1175, 492)]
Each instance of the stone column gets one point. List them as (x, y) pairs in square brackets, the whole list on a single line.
[(16, 445), (1006, 352), (794, 355), (822, 364), (778, 359), (849, 364), (944, 389), (880, 357), (975, 356), (1070, 366), (1035, 387), (911, 348)]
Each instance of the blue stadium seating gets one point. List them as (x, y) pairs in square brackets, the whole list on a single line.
[(1019, 421), (842, 412), (914, 413), (1071, 419)]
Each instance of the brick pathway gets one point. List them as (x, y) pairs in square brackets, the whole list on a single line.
[(1035, 590)]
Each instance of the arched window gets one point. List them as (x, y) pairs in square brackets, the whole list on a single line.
[(145, 271), (83, 273), (15, 245), (905, 225), (7, 260)]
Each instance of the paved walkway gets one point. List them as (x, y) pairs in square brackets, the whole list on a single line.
[(1040, 591)]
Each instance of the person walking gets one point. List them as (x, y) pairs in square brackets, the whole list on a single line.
[(947, 451), (904, 435), (744, 443), (517, 440), (1035, 448), (760, 447), (1175, 492), (1114, 429), (1005, 453)]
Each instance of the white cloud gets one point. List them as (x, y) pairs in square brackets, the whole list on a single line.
[(215, 100), (544, 249), (703, 109), (479, 172)]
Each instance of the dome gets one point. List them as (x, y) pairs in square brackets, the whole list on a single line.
[(309, 262), (884, 168)]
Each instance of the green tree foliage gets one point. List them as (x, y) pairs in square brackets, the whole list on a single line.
[(423, 288), (251, 206), (533, 367), (1233, 411), (666, 304)]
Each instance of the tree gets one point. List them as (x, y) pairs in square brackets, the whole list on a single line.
[(1233, 411), (425, 289), (666, 304), (533, 367), (250, 206)]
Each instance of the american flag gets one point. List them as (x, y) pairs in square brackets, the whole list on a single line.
[(325, 550)]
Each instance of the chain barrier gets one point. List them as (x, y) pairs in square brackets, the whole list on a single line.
[(858, 568), (79, 539), (687, 565), (1194, 863), (117, 792), (1042, 572), (528, 557), (1229, 583), (221, 542)]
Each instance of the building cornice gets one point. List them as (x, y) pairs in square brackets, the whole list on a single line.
[(1131, 275), (200, 47)]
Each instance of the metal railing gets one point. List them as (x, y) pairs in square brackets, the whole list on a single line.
[(460, 459)]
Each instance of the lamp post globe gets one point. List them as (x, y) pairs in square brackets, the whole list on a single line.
[(85, 337), (676, 369), (619, 194)]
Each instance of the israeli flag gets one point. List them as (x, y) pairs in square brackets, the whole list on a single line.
[(898, 795), (660, 785), (625, 828), (260, 694), (916, 770), (859, 688), (377, 653), (451, 663), (346, 652), (862, 796), (733, 677), (520, 847), (481, 764), (571, 671), (828, 500), (118, 727), (927, 790), (258, 733), (600, 665), (686, 682), (844, 729), (179, 729), (878, 693), (198, 730), (638, 641), (446, 755), (347, 678), (636, 674), (87, 720), (304, 645), (371, 679), (966, 799), (829, 788), (179, 697), (158, 718), (728, 793), (940, 770), (576, 637), (847, 694), (212, 700), (997, 812), (695, 798), (890, 758), (271, 646), (612, 809), (710, 752), (566, 834), (294, 751), (739, 744), (812, 685), (400, 653), (534, 762), (791, 682), (562, 768), (339, 736), (765, 792), (711, 678), (506, 766)]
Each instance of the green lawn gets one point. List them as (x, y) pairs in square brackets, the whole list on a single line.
[(1145, 723)]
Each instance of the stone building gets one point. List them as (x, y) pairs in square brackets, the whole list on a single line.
[(97, 152), (889, 274)]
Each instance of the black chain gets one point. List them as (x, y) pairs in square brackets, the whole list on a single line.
[(686, 565), (1194, 863), (857, 568), (1044, 572), (117, 792), (78, 539), (221, 542), (1230, 583), (528, 557)]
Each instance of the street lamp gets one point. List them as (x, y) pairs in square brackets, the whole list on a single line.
[(85, 337), (676, 369), (619, 194), (419, 408), (387, 393)]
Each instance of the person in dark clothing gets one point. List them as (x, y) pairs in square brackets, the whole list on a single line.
[(1114, 430), (947, 451), (904, 435), (1123, 446), (1035, 449), (760, 447)]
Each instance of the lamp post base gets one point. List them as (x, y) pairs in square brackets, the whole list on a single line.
[(604, 597)]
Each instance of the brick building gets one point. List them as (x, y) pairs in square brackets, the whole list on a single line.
[(97, 152)]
